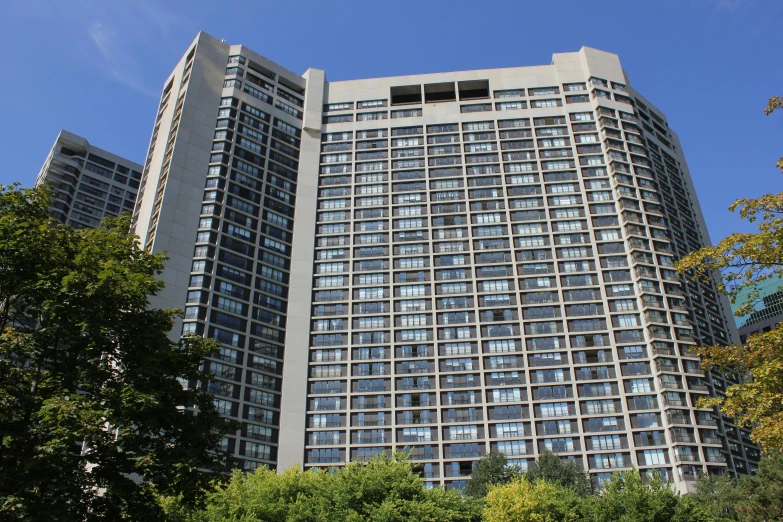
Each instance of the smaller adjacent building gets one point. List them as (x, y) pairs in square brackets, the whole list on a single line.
[(88, 182), (768, 309)]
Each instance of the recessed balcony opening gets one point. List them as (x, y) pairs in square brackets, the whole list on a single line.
[(291, 85), (440, 92), (473, 90), (260, 69), (406, 95)]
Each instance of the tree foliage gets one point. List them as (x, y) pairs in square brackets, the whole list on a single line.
[(774, 103), (761, 495), (551, 468), (384, 489), (748, 499), (743, 260), (489, 471), (627, 498), (718, 496), (523, 501), (90, 393), (757, 402)]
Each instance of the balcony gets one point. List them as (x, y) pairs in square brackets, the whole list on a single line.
[(317, 442), (368, 373), (641, 258), (416, 438), (416, 404), (641, 406), (596, 393), (324, 460), (659, 333), (639, 245), (465, 454), (459, 368), (461, 384), (547, 362), (371, 440), (592, 360), (554, 431), (686, 337), (462, 436), (414, 387), (380, 422), (685, 458), (652, 302), (370, 405), (655, 317), (593, 376), (372, 389), (647, 443), (643, 271), (603, 429), (408, 371), (678, 419), (459, 401)]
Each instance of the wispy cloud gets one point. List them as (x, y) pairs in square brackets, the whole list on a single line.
[(127, 34), (117, 60), (124, 40)]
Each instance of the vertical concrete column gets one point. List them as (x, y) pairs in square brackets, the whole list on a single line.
[(293, 407)]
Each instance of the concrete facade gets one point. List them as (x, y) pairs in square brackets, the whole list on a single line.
[(88, 183), (444, 263)]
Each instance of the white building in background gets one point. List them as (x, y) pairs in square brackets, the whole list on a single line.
[(88, 183), (448, 263)]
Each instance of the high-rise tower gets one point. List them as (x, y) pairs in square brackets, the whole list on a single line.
[(88, 183), (447, 263)]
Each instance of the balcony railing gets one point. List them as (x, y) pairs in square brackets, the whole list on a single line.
[(685, 458)]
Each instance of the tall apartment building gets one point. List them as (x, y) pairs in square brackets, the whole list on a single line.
[(446, 263), (767, 308), (88, 183)]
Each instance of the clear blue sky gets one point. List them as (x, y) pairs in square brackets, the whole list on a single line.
[(96, 67)]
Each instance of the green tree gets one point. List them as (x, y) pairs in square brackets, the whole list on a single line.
[(384, 489), (718, 496), (523, 501), (489, 471), (551, 468), (743, 260), (626, 498), (90, 392), (762, 494)]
